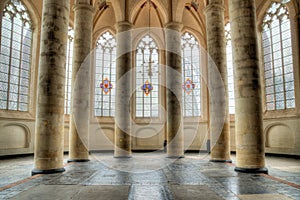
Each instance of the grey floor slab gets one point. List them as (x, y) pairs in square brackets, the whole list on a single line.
[(192, 192), (59, 192), (149, 177)]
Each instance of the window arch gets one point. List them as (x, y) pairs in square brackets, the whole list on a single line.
[(278, 58), (69, 61), (105, 75), (15, 57), (230, 69), (191, 76), (147, 77)]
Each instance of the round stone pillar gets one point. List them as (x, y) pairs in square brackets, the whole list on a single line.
[(81, 76), (175, 142), (123, 91), (250, 145), (49, 136), (217, 82)]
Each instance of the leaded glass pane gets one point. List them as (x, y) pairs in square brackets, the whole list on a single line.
[(68, 79), (105, 69), (191, 75), (147, 78), (290, 103), (278, 60)]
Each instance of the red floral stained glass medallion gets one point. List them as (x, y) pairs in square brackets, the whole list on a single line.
[(188, 86), (106, 86), (147, 87)]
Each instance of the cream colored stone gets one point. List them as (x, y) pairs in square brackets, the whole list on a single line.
[(249, 133), (81, 74), (175, 141), (51, 81), (123, 91), (220, 136)]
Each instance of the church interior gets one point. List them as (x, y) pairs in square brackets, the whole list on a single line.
[(150, 99)]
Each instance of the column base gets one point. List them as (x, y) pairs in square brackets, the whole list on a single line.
[(220, 161), (48, 171), (129, 156), (252, 171), (78, 160), (175, 157)]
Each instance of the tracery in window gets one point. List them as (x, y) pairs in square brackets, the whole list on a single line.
[(278, 58), (191, 75), (68, 83), (15, 57), (105, 63), (230, 69), (147, 78)]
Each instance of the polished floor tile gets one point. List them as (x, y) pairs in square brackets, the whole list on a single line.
[(150, 176)]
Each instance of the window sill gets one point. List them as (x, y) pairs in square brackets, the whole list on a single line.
[(16, 115), (278, 114)]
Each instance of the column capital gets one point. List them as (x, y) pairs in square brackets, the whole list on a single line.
[(177, 26), (122, 26), (83, 6), (211, 7)]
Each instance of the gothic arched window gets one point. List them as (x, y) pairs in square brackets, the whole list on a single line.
[(68, 83), (105, 75), (278, 58), (229, 69), (191, 76), (147, 75), (15, 57)]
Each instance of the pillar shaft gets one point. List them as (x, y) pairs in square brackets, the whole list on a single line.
[(248, 112), (123, 90), (48, 154), (81, 76), (218, 84), (175, 142)]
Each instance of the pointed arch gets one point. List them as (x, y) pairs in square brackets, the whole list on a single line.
[(160, 9), (98, 33)]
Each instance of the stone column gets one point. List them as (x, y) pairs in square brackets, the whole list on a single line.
[(175, 142), (49, 138), (81, 76), (250, 145), (123, 91), (218, 84)]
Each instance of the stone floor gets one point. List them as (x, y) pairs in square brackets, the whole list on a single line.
[(150, 176)]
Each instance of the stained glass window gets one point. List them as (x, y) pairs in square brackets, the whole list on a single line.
[(105, 62), (147, 78), (229, 69), (278, 58), (68, 82), (15, 57), (191, 75)]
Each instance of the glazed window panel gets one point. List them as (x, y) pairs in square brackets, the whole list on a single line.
[(278, 60), (191, 76), (15, 57), (147, 78), (68, 81), (230, 74), (105, 76)]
